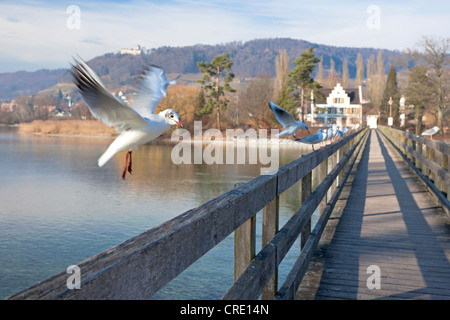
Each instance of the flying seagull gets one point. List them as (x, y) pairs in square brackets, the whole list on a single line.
[(137, 125), (431, 132), (287, 120)]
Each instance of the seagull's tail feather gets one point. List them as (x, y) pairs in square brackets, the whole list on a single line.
[(106, 156), (109, 153)]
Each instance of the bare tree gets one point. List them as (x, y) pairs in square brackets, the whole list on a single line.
[(435, 56), (380, 80), (359, 70), (332, 78), (282, 72), (253, 102), (376, 76), (345, 74)]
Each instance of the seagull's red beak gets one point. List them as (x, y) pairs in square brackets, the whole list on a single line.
[(179, 124)]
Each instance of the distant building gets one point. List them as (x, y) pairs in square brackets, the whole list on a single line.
[(341, 107), (372, 121), (136, 51), (60, 113), (8, 106)]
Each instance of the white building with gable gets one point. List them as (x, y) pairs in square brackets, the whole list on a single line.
[(341, 107)]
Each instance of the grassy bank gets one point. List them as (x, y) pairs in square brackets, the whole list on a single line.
[(68, 127)]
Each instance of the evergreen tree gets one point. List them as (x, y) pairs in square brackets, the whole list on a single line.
[(320, 72), (59, 98), (214, 91), (300, 78), (420, 93), (391, 91)]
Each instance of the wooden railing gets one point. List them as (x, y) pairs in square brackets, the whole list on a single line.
[(139, 267), (260, 276), (428, 158)]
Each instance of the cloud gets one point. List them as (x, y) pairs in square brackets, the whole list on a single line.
[(12, 19), (95, 41), (36, 33)]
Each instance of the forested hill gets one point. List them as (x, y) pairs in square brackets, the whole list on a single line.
[(258, 56), (250, 59)]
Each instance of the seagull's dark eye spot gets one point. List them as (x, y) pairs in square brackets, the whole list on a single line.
[(171, 115)]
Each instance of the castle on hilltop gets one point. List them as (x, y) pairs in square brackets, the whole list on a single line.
[(136, 51)]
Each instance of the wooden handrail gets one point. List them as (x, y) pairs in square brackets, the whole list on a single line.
[(140, 266)]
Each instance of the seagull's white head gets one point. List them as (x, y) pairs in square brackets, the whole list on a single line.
[(171, 117), (304, 126)]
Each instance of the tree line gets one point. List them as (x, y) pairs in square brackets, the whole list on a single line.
[(222, 100), (426, 86)]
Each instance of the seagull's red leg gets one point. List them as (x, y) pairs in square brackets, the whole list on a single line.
[(126, 165), (129, 165)]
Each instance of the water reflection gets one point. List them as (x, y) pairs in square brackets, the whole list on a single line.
[(58, 208)]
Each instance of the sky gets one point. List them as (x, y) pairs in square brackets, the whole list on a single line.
[(37, 34)]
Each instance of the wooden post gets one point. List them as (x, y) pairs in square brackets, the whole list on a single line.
[(446, 167), (306, 191), (419, 150), (315, 178), (323, 172), (404, 146), (431, 156), (338, 158), (270, 227), (244, 244), (335, 162), (425, 152), (439, 159), (341, 154), (330, 166)]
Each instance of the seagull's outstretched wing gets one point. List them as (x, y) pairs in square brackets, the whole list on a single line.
[(102, 103), (152, 87), (283, 117)]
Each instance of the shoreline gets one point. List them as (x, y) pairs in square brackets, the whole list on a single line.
[(96, 129), (168, 140)]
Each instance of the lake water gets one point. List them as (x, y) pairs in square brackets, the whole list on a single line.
[(58, 208)]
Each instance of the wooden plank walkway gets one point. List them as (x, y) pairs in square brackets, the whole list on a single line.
[(384, 218)]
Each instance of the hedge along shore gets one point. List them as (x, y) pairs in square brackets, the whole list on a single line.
[(95, 128), (68, 127)]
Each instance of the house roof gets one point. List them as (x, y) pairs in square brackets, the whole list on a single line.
[(352, 93)]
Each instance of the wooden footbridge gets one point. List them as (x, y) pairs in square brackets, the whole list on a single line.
[(383, 231)]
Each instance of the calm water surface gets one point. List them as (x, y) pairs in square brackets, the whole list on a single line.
[(57, 208)]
